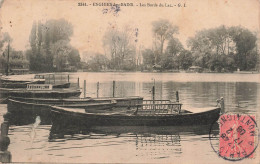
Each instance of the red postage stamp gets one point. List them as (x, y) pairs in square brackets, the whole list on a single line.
[(237, 136)]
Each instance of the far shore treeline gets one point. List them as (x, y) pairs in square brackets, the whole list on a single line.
[(220, 49)]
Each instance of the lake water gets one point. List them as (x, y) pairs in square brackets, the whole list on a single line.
[(241, 93)]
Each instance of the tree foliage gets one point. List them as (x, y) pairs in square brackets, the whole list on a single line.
[(169, 59), (148, 58), (50, 47), (98, 63), (224, 49), (184, 60), (163, 30), (17, 59), (120, 46)]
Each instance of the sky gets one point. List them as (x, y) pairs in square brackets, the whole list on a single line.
[(90, 23)]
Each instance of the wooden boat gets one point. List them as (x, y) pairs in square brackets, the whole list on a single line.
[(15, 105), (65, 85), (50, 79), (21, 107), (167, 114), (120, 101), (14, 79), (19, 84), (54, 93), (24, 84)]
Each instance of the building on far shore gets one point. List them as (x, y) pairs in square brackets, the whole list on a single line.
[(195, 69)]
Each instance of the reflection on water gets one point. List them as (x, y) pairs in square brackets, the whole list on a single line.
[(138, 144), (144, 130), (150, 143)]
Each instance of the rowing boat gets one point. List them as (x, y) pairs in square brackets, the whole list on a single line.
[(151, 114), (25, 110), (24, 92)]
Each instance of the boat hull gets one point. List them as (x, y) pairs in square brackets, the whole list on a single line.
[(18, 84), (23, 111), (61, 117), (19, 113), (120, 101), (66, 85), (58, 93), (10, 80)]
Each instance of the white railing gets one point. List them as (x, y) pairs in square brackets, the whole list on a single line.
[(167, 108), (156, 101)]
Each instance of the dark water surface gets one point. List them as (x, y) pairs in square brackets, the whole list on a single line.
[(32, 143)]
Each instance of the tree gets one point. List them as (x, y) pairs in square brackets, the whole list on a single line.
[(5, 39), (58, 30), (163, 30), (17, 59), (185, 59), (74, 57), (148, 58), (169, 58), (61, 49), (174, 46), (120, 45), (245, 42), (50, 46), (98, 62), (229, 63), (212, 48)]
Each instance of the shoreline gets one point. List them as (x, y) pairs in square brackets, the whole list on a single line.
[(162, 72)]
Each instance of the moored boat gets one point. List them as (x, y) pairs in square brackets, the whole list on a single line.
[(57, 80), (166, 114), (19, 84), (27, 93), (18, 79), (121, 101), (65, 85), (32, 107)]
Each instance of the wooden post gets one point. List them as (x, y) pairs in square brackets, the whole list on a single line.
[(114, 86), (7, 65), (177, 96), (4, 128), (5, 156), (68, 78), (49, 78), (222, 105), (78, 82), (97, 89), (153, 93), (84, 88), (54, 78)]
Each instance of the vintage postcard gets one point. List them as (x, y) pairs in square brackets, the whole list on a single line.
[(129, 81)]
